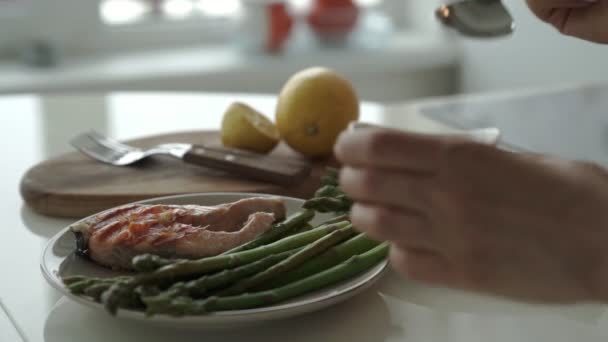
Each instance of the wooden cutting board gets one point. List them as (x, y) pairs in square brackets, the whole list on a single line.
[(74, 185)]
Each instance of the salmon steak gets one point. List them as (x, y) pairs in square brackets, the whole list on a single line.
[(113, 237)]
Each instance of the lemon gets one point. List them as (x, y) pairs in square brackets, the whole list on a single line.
[(245, 128), (314, 106)]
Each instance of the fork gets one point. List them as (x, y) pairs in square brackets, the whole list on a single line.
[(240, 163)]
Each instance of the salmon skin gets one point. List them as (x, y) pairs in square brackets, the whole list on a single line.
[(113, 237)]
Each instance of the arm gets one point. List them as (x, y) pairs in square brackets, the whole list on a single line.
[(466, 215)]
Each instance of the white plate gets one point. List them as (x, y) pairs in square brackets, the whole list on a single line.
[(58, 260)]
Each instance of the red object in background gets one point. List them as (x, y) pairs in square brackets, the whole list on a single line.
[(333, 19), (279, 26)]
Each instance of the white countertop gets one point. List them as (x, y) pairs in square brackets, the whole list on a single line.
[(396, 309)]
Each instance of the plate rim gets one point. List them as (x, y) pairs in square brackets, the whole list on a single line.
[(290, 309)]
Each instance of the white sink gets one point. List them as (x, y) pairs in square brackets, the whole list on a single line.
[(569, 121)]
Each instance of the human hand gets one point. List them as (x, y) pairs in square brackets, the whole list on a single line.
[(586, 19), (471, 216)]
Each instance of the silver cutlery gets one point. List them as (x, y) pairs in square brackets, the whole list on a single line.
[(244, 164), (477, 18)]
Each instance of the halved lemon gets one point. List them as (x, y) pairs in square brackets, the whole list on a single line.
[(245, 128)]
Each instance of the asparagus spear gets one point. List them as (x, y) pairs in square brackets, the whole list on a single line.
[(328, 191), (307, 227), (68, 280), (331, 177), (329, 198), (121, 292), (79, 284), (151, 262), (356, 245), (291, 262), (335, 219), (277, 232), (349, 268), (303, 229), (340, 203), (199, 287), (96, 290), (332, 220)]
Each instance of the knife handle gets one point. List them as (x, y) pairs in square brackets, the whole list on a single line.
[(250, 166)]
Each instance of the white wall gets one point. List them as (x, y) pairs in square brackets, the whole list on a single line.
[(415, 63), (535, 55)]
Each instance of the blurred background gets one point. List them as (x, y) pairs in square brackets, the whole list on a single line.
[(392, 50)]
